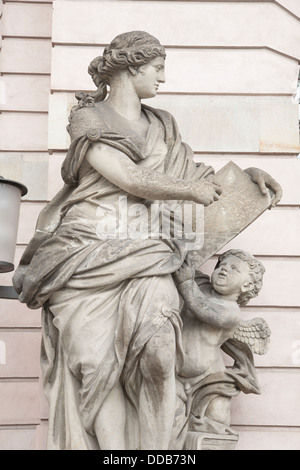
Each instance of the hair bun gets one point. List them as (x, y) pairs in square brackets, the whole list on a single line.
[(94, 69)]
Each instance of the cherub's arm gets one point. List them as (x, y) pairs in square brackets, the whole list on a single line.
[(198, 304)]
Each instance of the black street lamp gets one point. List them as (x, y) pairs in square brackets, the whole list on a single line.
[(10, 201)]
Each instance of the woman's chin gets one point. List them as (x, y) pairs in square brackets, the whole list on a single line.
[(145, 96)]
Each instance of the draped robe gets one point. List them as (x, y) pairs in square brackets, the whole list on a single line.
[(95, 292)]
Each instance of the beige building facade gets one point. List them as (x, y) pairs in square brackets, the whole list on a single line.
[(232, 73)]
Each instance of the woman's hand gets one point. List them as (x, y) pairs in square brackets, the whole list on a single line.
[(265, 181), (206, 192)]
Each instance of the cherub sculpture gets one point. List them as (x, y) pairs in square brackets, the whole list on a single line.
[(212, 321)]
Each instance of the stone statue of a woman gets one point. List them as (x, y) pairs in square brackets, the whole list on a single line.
[(111, 323)]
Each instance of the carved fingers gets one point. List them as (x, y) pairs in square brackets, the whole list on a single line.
[(277, 190), (207, 192), (265, 182)]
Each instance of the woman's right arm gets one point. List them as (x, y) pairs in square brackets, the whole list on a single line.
[(120, 170)]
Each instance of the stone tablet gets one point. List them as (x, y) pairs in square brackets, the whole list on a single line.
[(239, 205)]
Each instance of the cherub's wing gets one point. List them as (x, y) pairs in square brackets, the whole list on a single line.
[(256, 333)]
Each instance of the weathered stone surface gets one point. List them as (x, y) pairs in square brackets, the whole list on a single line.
[(284, 350), (31, 1), (27, 20), (25, 93), (202, 441), (236, 124), (268, 438), (14, 393), (41, 440), (25, 56), (292, 5), (197, 23), (55, 181), (18, 438), (253, 411), (28, 216), (239, 205), (21, 166), (17, 315), (285, 245), (288, 178), (272, 293), (248, 71), (127, 285), (1, 11), (18, 364), (23, 132), (239, 24)]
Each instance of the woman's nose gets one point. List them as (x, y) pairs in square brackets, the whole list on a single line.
[(162, 77)]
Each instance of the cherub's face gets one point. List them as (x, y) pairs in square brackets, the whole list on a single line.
[(232, 276)]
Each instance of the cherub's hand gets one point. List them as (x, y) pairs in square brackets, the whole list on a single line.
[(264, 181), (184, 273)]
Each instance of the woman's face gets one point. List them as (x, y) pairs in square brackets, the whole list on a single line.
[(149, 77)]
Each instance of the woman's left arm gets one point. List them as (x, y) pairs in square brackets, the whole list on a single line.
[(265, 181)]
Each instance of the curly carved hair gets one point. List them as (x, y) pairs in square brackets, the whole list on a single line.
[(134, 48), (257, 271)]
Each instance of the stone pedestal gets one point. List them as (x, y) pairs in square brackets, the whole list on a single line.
[(210, 441)]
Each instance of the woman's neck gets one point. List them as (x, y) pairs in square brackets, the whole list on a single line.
[(124, 100)]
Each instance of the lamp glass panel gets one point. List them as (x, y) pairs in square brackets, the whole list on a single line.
[(10, 198)]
